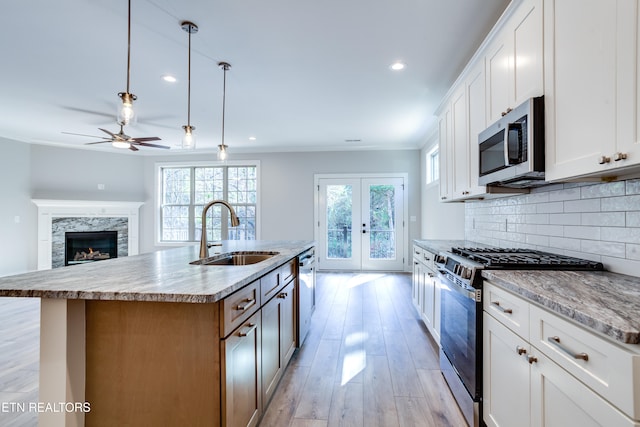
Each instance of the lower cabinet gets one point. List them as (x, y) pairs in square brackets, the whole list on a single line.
[(278, 338), (525, 385), (425, 292), (241, 376)]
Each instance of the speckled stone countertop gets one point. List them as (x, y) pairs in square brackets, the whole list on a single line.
[(158, 276), (606, 302)]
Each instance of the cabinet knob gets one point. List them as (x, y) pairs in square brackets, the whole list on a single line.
[(532, 360), (282, 295), (521, 350), (604, 159), (619, 156)]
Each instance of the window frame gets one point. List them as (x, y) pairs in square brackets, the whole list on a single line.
[(430, 178), (186, 164)]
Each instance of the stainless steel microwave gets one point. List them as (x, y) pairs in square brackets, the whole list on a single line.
[(511, 151)]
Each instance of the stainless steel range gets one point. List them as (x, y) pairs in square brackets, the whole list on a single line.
[(461, 312)]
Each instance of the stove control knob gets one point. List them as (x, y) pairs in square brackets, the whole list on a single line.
[(465, 273), (439, 259)]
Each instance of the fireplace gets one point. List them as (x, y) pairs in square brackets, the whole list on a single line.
[(90, 246)]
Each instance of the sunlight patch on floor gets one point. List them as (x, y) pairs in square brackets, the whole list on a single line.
[(361, 279), (355, 358)]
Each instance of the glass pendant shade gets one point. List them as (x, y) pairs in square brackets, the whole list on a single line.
[(126, 114), (222, 152), (189, 139)]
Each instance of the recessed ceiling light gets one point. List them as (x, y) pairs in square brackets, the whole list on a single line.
[(397, 66), (169, 78), (252, 138)]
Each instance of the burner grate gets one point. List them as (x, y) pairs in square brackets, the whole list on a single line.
[(518, 258)]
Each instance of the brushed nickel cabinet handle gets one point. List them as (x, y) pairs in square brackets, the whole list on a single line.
[(521, 350), (497, 305), (282, 295), (252, 327), (604, 159), (532, 360), (248, 303), (619, 156), (556, 342)]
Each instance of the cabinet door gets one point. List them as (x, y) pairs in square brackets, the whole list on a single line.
[(505, 376), (499, 76), (558, 399), (459, 145), (415, 280), (527, 63), (477, 120), (590, 85), (444, 131), (272, 320), (428, 305), (241, 376), (288, 327)]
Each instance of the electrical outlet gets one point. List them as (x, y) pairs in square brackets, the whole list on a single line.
[(100, 186)]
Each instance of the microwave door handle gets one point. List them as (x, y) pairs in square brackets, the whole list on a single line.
[(513, 158), (506, 144)]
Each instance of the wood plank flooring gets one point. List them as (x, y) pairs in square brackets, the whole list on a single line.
[(368, 361)]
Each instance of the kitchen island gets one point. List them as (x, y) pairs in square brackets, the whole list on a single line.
[(153, 340)]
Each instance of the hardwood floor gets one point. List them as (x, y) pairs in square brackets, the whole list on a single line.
[(368, 361)]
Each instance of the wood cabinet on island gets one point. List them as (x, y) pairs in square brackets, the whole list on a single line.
[(153, 340)]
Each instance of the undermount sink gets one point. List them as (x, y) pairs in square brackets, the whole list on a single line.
[(236, 258)]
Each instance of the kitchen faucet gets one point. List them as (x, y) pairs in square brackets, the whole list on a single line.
[(204, 247)]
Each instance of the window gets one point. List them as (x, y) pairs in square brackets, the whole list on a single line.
[(433, 165), (184, 190)]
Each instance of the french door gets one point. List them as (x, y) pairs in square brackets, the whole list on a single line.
[(361, 223)]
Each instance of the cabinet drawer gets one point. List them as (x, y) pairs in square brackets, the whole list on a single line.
[(509, 309), (417, 252), (606, 367), (288, 271), (428, 259), (270, 284), (239, 306)]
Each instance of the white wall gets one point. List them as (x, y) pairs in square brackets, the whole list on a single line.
[(286, 185), (18, 249), (439, 220)]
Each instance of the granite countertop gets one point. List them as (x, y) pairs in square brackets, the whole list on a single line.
[(606, 302), (165, 275)]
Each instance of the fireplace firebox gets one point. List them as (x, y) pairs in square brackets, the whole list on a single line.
[(90, 246)]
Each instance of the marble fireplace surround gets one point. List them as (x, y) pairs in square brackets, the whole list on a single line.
[(57, 216)]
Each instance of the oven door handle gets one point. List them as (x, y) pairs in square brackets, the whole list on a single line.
[(472, 295)]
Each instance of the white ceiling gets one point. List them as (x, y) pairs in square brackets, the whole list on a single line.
[(306, 75)]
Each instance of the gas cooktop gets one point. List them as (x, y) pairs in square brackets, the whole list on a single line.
[(525, 259)]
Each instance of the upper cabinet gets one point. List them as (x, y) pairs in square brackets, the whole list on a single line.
[(514, 61), (446, 166), (592, 97)]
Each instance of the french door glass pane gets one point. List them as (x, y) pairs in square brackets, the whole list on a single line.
[(382, 238), (339, 208)]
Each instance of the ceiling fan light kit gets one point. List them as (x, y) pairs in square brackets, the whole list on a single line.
[(189, 139)]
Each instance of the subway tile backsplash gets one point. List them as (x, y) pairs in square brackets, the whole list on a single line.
[(600, 222)]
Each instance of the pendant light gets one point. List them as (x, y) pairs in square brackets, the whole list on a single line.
[(126, 114), (189, 139), (222, 148)]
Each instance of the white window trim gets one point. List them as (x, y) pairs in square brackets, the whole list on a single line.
[(186, 164), (428, 171)]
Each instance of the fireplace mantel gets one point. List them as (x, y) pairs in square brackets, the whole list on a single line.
[(49, 209)]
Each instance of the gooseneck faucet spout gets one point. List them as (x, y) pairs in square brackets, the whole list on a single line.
[(204, 247)]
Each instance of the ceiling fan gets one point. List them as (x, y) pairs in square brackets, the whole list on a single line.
[(122, 140)]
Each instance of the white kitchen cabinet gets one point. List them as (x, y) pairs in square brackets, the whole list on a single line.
[(426, 290), (592, 98), (476, 123), (514, 60), (506, 393), (446, 160), (459, 144), (581, 379)]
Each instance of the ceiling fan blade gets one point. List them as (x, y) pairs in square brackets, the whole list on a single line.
[(132, 148), (113, 135), (149, 138), (144, 144), (97, 142), (82, 134), (92, 112)]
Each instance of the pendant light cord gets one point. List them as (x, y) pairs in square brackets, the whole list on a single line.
[(129, 47), (224, 96), (189, 83)]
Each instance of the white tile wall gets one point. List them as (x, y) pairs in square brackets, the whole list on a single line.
[(600, 222)]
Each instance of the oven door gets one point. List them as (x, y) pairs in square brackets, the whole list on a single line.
[(460, 335)]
